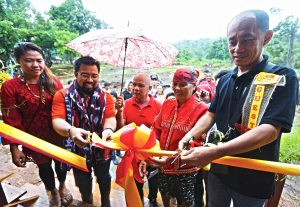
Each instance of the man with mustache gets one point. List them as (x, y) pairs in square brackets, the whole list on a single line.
[(80, 109)]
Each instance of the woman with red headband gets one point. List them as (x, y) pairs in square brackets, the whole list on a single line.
[(178, 116)]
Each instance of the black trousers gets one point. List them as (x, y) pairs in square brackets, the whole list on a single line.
[(47, 174), (152, 183), (199, 189)]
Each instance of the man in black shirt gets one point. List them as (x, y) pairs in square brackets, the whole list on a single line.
[(247, 34)]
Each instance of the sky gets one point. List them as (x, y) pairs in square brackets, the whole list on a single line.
[(175, 20)]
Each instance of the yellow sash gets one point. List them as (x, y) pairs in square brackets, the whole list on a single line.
[(258, 97)]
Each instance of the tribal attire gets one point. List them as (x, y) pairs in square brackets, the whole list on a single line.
[(171, 125), (23, 110)]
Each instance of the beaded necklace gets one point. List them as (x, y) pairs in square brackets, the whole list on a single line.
[(41, 97)]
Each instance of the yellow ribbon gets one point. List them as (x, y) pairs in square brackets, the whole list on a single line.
[(139, 144), (36, 144)]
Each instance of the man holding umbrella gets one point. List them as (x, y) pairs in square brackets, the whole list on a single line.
[(77, 111), (142, 108)]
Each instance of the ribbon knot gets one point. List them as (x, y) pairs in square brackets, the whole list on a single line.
[(134, 141)]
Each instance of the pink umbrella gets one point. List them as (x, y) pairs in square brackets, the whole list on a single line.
[(126, 47)]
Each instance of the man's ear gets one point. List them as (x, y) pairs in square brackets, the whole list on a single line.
[(268, 37), (76, 74)]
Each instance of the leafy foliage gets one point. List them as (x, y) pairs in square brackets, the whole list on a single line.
[(285, 46), (78, 19), (219, 50), (19, 21)]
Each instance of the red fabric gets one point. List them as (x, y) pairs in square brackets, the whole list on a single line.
[(189, 75), (173, 123), (208, 87), (22, 110), (127, 138), (133, 113)]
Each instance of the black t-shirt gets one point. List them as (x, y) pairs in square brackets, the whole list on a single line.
[(280, 112), (127, 95)]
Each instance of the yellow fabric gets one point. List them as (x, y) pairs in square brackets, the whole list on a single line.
[(262, 165), (264, 78), (255, 106), (135, 152), (45, 148)]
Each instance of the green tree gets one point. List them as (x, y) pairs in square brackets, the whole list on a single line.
[(218, 50), (16, 25), (77, 18), (8, 37), (285, 44), (63, 37)]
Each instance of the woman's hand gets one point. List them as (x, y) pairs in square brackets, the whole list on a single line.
[(157, 162), (18, 157)]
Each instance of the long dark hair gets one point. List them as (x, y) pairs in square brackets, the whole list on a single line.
[(47, 78)]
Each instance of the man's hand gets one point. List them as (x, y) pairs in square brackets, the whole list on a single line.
[(199, 156), (106, 134), (143, 170), (18, 157), (184, 142), (77, 136), (119, 103)]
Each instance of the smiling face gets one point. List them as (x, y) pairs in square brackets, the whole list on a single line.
[(183, 91), (245, 41), (87, 78), (32, 64)]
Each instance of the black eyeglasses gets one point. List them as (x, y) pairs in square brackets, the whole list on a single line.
[(87, 75)]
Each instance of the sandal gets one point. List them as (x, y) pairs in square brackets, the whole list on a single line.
[(66, 199), (54, 203), (54, 200)]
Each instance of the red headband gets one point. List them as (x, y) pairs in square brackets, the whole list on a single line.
[(189, 75)]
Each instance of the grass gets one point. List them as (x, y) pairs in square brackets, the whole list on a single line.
[(290, 144)]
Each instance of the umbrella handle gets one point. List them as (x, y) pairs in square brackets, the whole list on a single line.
[(126, 43)]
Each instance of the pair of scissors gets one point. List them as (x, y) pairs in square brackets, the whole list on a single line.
[(184, 148)]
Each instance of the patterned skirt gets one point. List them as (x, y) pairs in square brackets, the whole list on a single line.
[(178, 185)]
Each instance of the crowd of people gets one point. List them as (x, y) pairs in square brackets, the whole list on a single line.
[(180, 116)]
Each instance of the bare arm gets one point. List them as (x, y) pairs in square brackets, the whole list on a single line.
[(64, 129), (201, 126), (110, 123), (61, 127), (109, 127), (253, 139)]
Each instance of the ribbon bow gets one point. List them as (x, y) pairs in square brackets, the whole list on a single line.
[(139, 144)]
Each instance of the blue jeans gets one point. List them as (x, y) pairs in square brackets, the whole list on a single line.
[(84, 181), (221, 196)]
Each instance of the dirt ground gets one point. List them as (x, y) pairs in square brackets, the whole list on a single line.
[(29, 175), (28, 179)]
